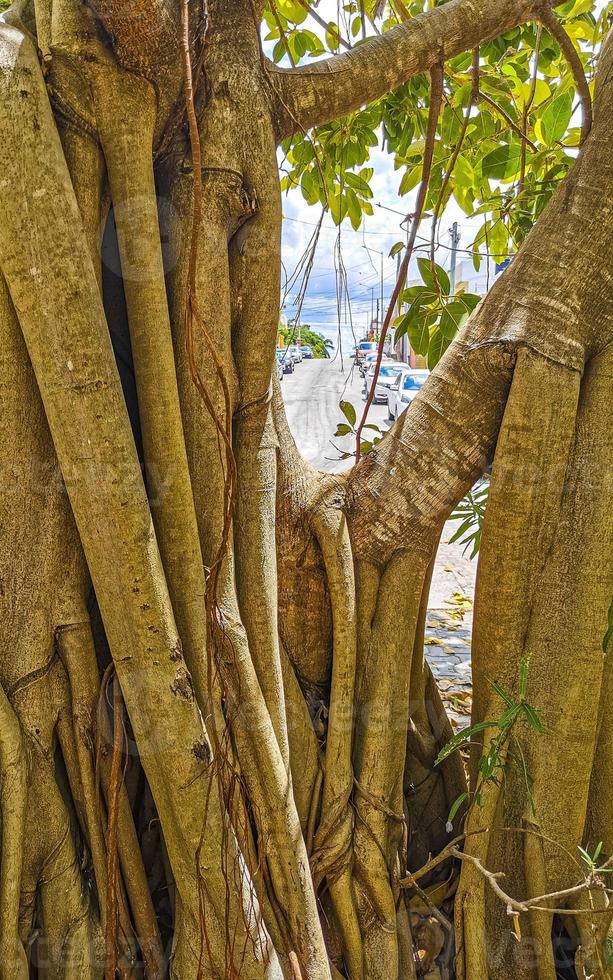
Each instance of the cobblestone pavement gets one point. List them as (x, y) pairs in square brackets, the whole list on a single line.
[(447, 650)]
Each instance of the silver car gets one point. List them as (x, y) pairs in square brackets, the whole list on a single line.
[(403, 391)]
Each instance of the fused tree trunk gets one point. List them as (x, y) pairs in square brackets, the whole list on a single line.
[(180, 593)]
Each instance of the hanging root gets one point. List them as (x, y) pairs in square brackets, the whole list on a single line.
[(331, 858), (13, 800), (76, 649), (555, 28), (382, 723)]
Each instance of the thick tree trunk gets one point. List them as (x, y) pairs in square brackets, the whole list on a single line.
[(281, 727)]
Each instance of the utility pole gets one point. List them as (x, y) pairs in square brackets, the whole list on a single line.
[(380, 300), (454, 235), (382, 314), (404, 341), (408, 354), (377, 322)]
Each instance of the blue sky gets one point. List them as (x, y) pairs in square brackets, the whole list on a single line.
[(363, 267)]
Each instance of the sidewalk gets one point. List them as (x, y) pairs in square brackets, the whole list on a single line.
[(449, 628)]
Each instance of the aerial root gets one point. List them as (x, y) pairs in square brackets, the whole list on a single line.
[(333, 842), (13, 800), (76, 649)]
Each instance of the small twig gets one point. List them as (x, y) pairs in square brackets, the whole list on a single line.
[(484, 97), (526, 112), (555, 28), (330, 28), (412, 877), (436, 98), (288, 50), (533, 904)]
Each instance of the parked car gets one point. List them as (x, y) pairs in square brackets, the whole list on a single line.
[(285, 360), (370, 359), (307, 351), (295, 353), (363, 348), (388, 375), (403, 391)]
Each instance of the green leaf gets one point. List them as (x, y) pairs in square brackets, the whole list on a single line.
[(349, 412), (462, 738), (556, 117), (409, 180), (419, 333), (422, 293), (500, 691), (396, 247), (509, 716), (401, 326), (502, 163), (463, 528), (437, 347), (463, 172), (454, 316), (354, 209), (470, 300), (343, 429), (532, 717), (456, 806), (425, 268), (333, 37)]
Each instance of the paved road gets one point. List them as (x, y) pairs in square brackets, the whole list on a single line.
[(312, 396)]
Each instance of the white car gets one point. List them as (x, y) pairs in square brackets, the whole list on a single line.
[(403, 391), (367, 361), (372, 359), (388, 375), (295, 353)]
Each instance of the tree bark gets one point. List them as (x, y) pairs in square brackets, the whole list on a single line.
[(280, 712)]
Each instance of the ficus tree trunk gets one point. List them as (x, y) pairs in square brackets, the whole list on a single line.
[(218, 732)]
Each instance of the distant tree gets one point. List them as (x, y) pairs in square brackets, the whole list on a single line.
[(308, 336)]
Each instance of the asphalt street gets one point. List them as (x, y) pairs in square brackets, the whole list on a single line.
[(312, 395)]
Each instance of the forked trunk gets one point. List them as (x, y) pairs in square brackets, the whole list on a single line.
[(218, 733)]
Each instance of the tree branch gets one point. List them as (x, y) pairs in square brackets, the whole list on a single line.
[(312, 95), (555, 28), (591, 883), (406, 487)]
